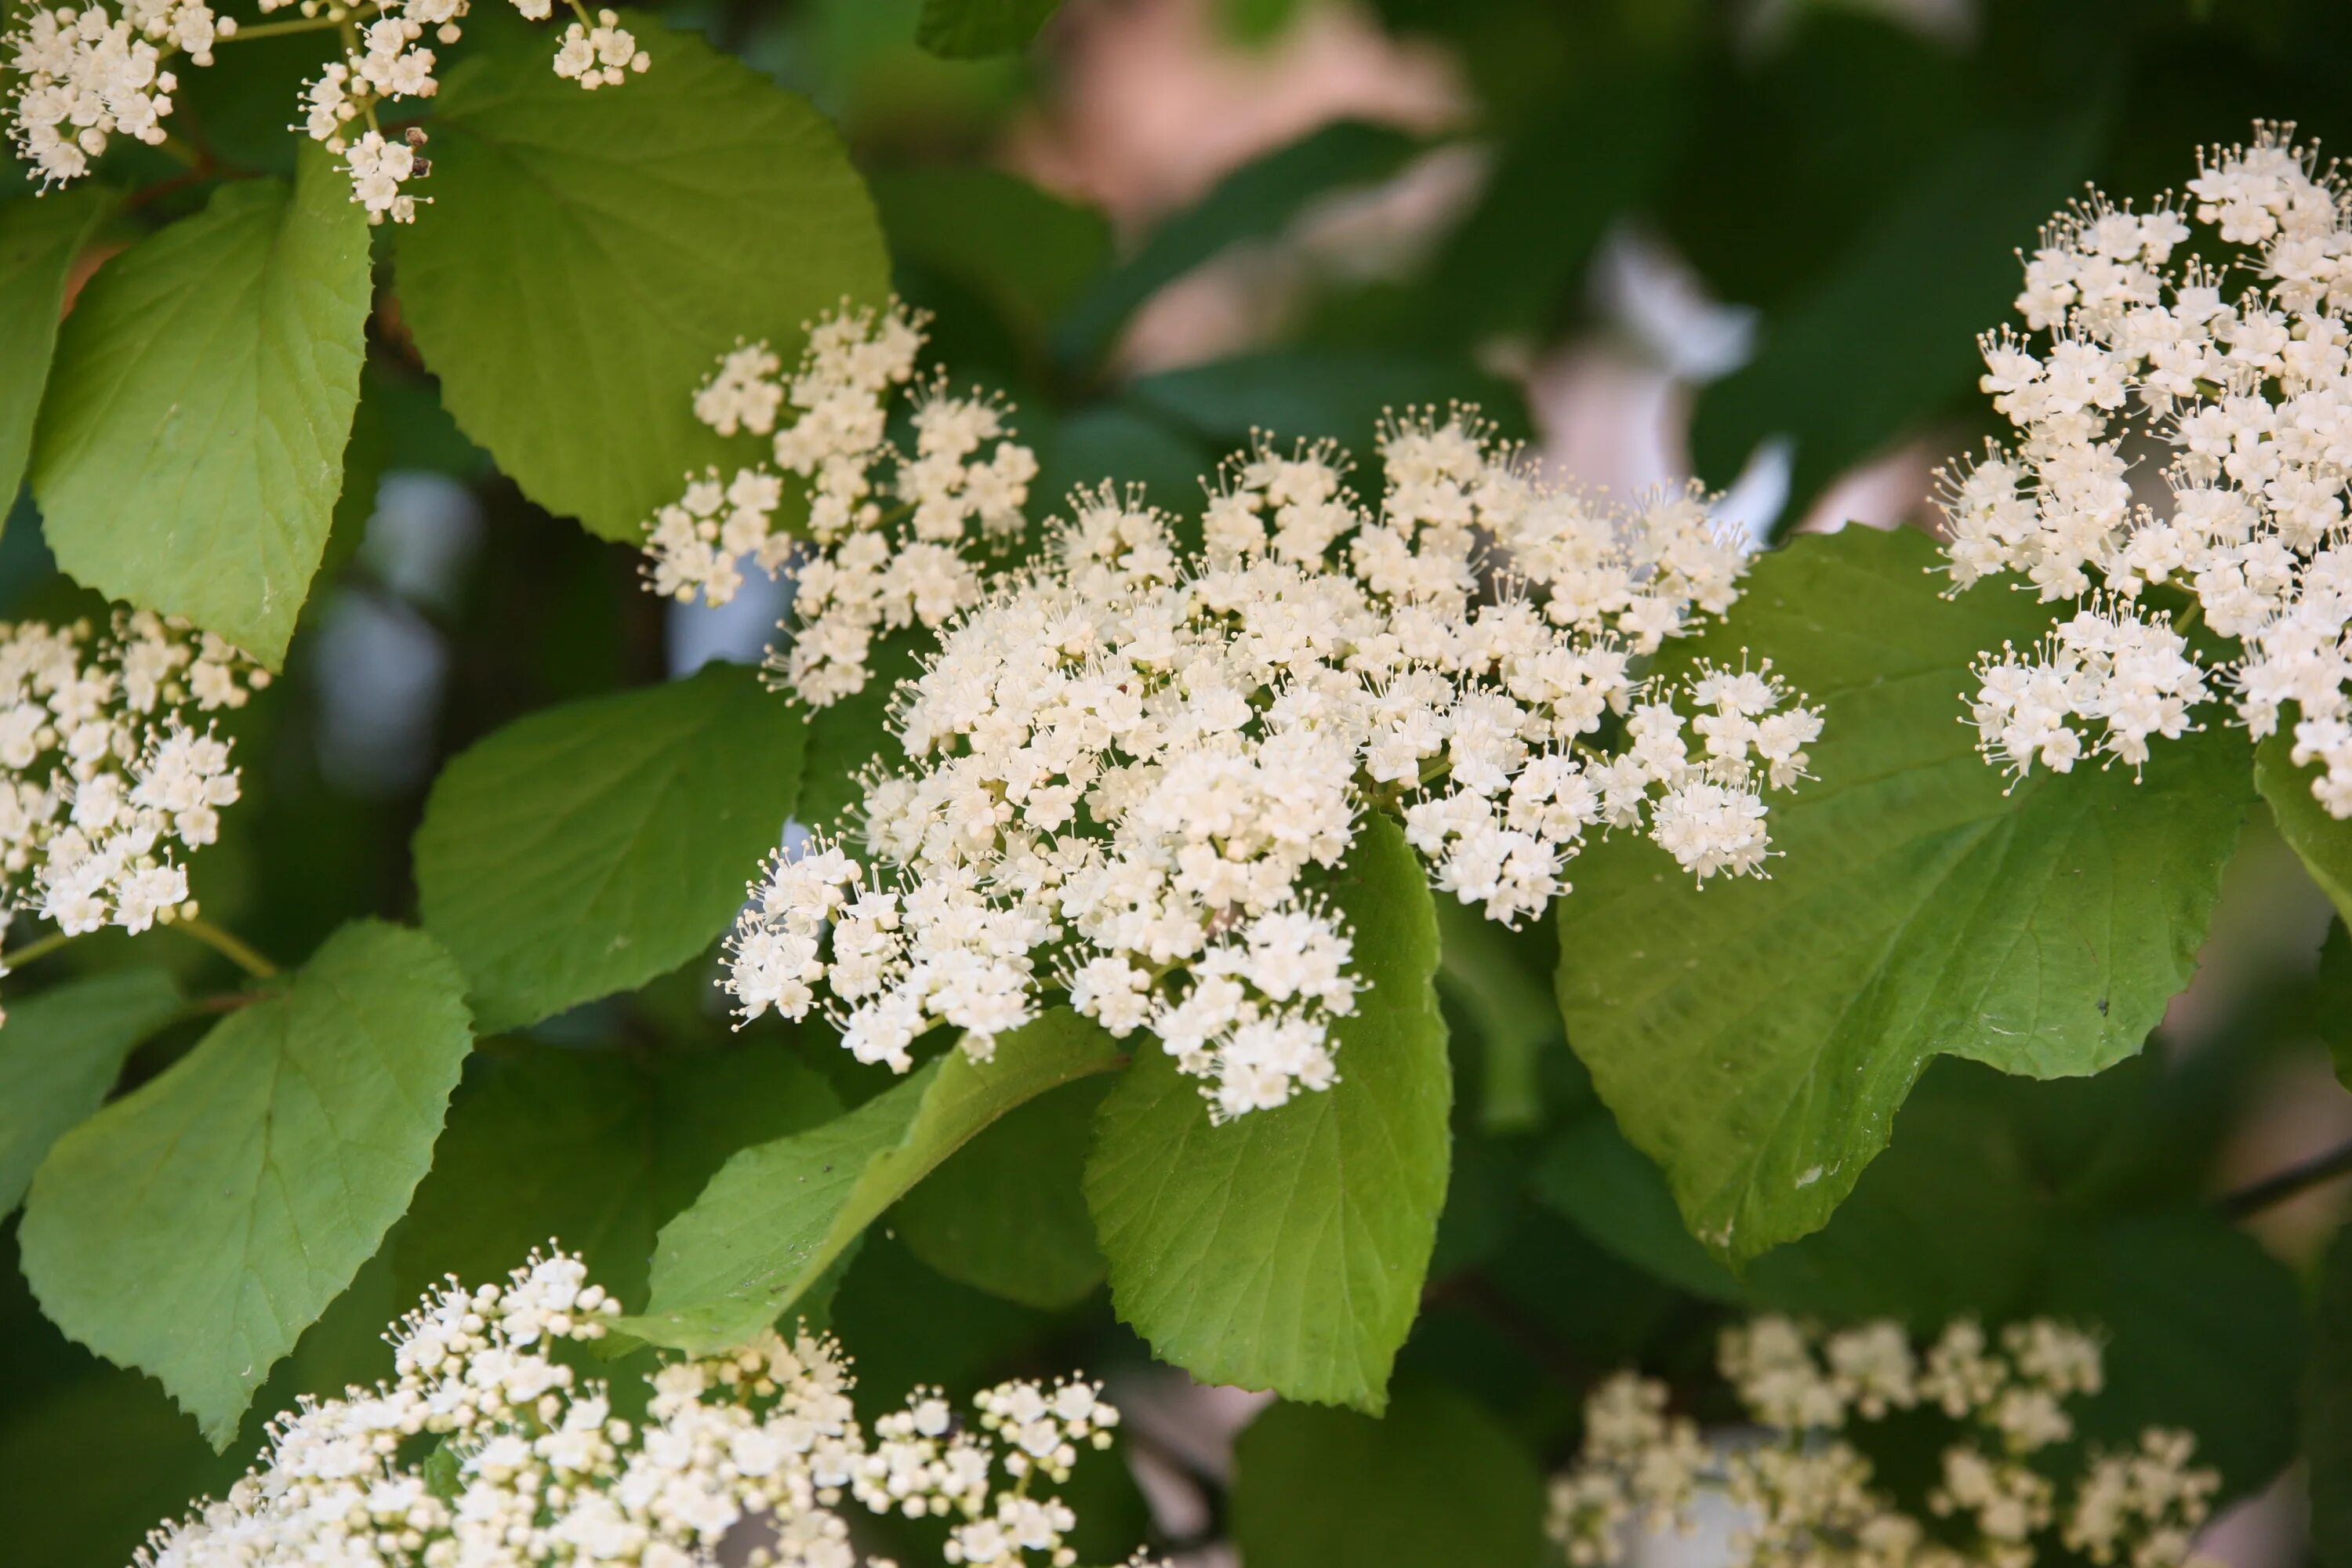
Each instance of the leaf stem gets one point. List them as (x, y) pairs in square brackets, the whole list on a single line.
[(279, 29), (2279, 1187), (230, 947), (33, 951)]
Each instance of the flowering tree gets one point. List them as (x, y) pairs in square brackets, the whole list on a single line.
[(746, 712)]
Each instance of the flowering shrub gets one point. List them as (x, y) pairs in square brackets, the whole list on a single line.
[(1340, 767)]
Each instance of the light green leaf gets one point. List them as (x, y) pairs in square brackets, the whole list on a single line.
[(1256, 201), (1755, 1038), (2327, 1409), (1286, 1248), (974, 29), (587, 848), (191, 444), (2323, 842), (39, 242), (195, 1227), (594, 1148), (777, 1215), (1005, 1214), (588, 257), (1889, 337), (60, 1053), (1438, 1482)]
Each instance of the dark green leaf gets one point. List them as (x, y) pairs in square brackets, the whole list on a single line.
[(777, 1215), (588, 257), (1254, 202), (1591, 1176), (1890, 335), (587, 848), (60, 1053), (1005, 1213), (1339, 393), (191, 443), (2327, 1409), (38, 243), (1436, 1484), (1286, 1248), (973, 29), (1026, 251), (194, 1228), (1756, 1038), (594, 1149)]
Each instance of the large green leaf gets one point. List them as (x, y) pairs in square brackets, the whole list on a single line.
[(1756, 1037), (2323, 842), (2203, 1331), (1889, 337), (594, 1148), (1437, 1482), (60, 1055), (1025, 251), (973, 29), (194, 1228), (2327, 1409), (191, 443), (1005, 1213), (38, 243), (1257, 201), (587, 848), (1286, 1248), (778, 1215), (589, 255)]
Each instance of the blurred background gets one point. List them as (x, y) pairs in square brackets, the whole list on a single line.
[(1750, 243)]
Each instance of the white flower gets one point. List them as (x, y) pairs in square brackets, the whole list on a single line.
[(544, 1474), (2249, 391)]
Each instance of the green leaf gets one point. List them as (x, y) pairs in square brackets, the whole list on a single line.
[(2327, 1409), (194, 1228), (60, 1053), (1590, 1175), (1339, 393), (1514, 1017), (1286, 1248), (2203, 1331), (1436, 1483), (191, 443), (974, 29), (96, 1463), (2323, 842), (588, 257), (1005, 1213), (853, 731), (587, 848), (1256, 201), (1025, 251), (777, 1215), (595, 1149), (39, 242), (1890, 336), (1755, 1038)]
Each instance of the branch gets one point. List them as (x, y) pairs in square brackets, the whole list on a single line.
[(2277, 1188)]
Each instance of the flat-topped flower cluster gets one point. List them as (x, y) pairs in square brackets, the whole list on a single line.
[(87, 74), (488, 1450), (2239, 377), (104, 781), (1131, 767), (1806, 1494)]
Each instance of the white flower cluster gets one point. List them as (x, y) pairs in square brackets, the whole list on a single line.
[(87, 73), (743, 1457), (102, 773), (866, 566), (1805, 1493), (1129, 767), (2243, 377)]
